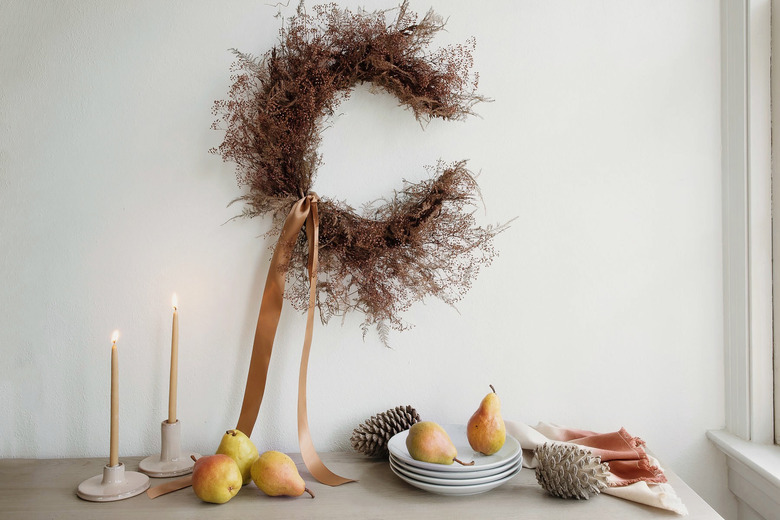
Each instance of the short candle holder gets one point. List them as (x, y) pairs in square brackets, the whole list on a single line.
[(170, 462), (114, 484)]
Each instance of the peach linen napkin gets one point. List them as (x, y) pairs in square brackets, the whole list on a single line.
[(634, 475)]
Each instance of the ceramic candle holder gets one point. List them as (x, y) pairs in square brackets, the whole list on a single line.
[(171, 462), (114, 484)]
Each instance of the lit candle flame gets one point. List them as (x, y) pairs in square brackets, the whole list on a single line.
[(115, 336), (175, 301)]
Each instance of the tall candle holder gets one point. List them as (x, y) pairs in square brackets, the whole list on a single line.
[(170, 462), (114, 483)]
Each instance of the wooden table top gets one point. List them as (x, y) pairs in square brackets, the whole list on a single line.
[(46, 488)]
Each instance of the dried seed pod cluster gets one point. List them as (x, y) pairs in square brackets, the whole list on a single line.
[(423, 241)]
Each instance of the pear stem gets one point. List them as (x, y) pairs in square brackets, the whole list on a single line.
[(463, 463), (309, 491), (491, 387), (193, 458)]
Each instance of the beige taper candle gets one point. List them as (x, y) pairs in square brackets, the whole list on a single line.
[(172, 390), (114, 450)]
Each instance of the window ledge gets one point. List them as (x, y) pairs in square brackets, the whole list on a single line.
[(754, 473)]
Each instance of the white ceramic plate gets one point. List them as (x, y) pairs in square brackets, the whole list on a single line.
[(511, 470), (457, 433), (452, 475), (455, 490)]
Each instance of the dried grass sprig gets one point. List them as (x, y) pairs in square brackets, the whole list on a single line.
[(422, 242)]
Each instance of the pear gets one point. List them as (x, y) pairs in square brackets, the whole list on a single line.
[(276, 475), (429, 442), (236, 445), (485, 430), (216, 478)]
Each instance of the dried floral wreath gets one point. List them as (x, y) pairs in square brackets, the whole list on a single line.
[(424, 241)]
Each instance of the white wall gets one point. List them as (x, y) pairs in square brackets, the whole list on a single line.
[(603, 309)]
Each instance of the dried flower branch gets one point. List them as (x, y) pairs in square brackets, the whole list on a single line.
[(422, 242)]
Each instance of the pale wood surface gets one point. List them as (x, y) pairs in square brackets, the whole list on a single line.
[(32, 489)]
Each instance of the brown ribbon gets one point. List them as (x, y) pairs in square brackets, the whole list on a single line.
[(303, 212), (169, 487)]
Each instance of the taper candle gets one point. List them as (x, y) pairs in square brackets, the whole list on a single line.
[(114, 449), (172, 389)]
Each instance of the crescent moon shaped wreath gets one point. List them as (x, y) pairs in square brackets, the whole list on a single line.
[(421, 242)]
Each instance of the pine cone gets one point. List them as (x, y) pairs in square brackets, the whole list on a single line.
[(568, 471), (371, 437)]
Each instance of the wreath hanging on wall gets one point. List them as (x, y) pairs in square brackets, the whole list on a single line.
[(423, 241)]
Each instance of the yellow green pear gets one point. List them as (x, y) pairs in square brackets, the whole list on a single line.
[(485, 430), (236, 445), (276, 475), (429, 442)]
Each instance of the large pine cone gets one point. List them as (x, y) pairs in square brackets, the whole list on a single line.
[(569, 471), (371, 437)]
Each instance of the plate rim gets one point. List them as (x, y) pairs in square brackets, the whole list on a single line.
[(456, 475), (456, 490), (460, 482)]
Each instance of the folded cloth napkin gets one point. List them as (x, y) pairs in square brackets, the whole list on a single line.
[(633, 474)]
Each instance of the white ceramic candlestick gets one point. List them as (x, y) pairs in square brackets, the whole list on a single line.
[(171, 462), (114, 484)]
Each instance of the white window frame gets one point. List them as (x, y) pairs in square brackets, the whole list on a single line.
[(775, 94), (747, 175), (748, 439)]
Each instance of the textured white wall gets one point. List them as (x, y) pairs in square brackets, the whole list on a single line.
[(603, 309)]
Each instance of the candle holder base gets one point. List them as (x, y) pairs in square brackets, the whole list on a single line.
[(114, 484), (155, 467), (170, 462)]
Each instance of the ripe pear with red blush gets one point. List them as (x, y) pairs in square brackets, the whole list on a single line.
[(216, 478), (485, 430), (429, 442)]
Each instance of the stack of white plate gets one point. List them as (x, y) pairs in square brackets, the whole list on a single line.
[(488, 471)]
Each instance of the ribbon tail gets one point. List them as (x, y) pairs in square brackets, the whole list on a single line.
[(268, 318), (169, 487), (310, 457)]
